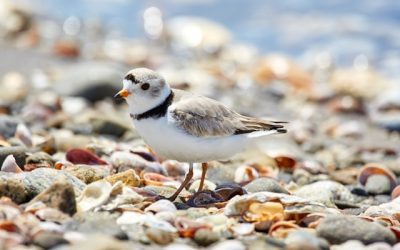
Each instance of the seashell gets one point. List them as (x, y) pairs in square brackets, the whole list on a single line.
[(396, 192), (205, 198), (82, 156), (153, 179), (145, 155), (227, 191), (8, 212), (8, 225), (148, 220), (208, 185), (52, 214), (187, 227), (161, 206), (267, 211), (23, 134), (38, 160), (242, 229), (174, 168), (128, 178), (10, 165), (245, 174), (281, 229), (375, 169), (95, 194), (163, 191), (285, 162), (160, 237), (219, 222), (125, 199), (123, 160)]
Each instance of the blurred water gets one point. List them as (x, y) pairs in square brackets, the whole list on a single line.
[(299, 28)]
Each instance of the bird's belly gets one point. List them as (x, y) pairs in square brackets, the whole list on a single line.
[(172, 143)]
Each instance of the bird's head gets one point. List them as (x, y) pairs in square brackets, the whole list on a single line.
[(143, 89)]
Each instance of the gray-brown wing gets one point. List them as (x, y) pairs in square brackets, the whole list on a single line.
[(204, 117)]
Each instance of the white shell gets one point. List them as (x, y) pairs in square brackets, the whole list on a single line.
[(161, 206), (22, 132), (9, 165), (242, 229), (241, 174), (208, 185), (148, 220), (94, 195)]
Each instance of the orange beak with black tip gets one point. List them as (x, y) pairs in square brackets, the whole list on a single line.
[(122, 94)]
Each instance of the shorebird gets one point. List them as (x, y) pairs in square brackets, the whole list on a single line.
[(187, 127)]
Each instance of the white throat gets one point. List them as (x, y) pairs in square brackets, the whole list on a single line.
[(141, 104)]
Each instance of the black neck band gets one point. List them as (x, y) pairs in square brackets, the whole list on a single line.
[(157, 111)]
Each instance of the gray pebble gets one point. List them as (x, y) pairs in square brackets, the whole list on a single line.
[(265, 184), (339, 228)]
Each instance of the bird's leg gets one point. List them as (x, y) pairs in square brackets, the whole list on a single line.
[(204, 167), (188, 177)]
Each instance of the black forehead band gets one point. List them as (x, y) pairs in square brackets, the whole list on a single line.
[(131, 78)]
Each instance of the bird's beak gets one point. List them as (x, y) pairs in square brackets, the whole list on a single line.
[(122, 94)]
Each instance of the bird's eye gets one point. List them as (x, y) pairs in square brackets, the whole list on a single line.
[(145, 86)]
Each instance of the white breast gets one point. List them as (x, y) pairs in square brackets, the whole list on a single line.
[(171, 142)]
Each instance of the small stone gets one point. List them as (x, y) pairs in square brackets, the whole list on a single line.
[(18, 152), (265, 184), (128, 177), (87, 173), (8, 126), (97, 223), (60, 195), (377, 184), (13, 189), (338, 229), (301, 239), (39, 160), (48, 240), (160, 237), (205, 237)]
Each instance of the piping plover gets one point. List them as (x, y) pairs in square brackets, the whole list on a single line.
[(186, 127)]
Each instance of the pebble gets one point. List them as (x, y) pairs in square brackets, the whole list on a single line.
[(302, 239), (18, 152), (96, 223), (378, 184), (338, 229), (39, 179), (325, 192), (87, 173), (205, 237), (59, 195), (160, 237), (265, 184), (13, 189), (49, 240), (8, 126)]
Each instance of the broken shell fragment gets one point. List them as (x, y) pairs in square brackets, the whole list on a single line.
[(128, 177), (161, 206), (95, 194), (245, 174), (10, 165), (82, 156), (396, 192), (375, 169), (154, 179), (281, 229), (268, 211)]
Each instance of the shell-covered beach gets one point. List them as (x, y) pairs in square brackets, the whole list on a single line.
[(76, 175)]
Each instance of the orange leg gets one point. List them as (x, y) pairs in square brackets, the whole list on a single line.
[(188, 177), (204, 167)]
